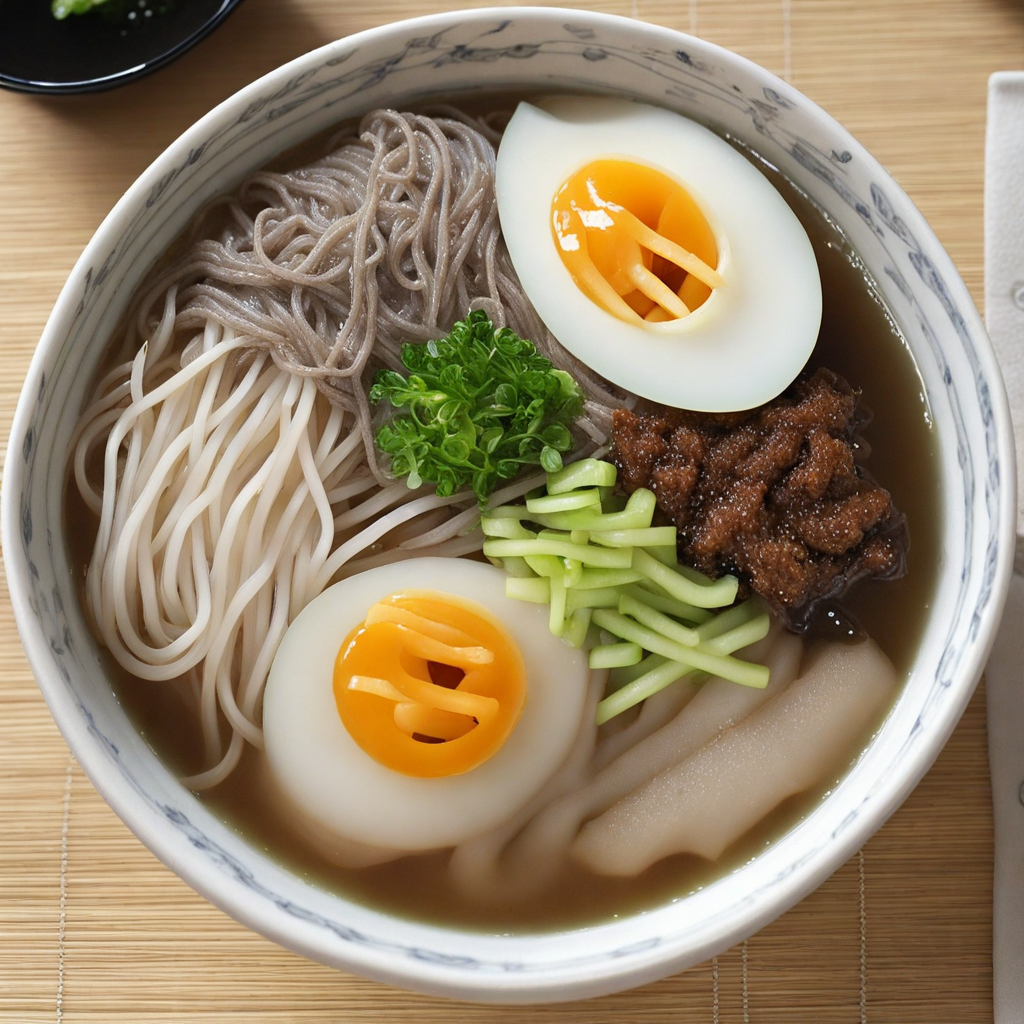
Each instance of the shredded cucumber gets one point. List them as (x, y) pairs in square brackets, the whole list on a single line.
[(564, 502), (656, 598), (506, 528), (535, 589), (514, 567), (658, 621), (743, 672), (600, 565), (639, 689), (604, 558), (615, 655), (595, 597), (556, 616), (647, 537), (593, 579), (577, 626), (619, 677), (709, 594), (585, 473)]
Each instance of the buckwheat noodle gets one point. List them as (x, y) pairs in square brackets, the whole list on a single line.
[(229, 453)]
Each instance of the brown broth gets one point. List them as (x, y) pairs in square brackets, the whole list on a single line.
[(858, 340)]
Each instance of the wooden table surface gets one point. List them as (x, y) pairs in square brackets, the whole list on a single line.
[(93, 928)]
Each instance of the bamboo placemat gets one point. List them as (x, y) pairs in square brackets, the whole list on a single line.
[(93, 928)]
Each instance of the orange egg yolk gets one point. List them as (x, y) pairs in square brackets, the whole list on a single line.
[(635, 241), (430, 684)]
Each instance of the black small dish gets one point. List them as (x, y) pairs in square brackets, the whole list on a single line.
[(105, 47)]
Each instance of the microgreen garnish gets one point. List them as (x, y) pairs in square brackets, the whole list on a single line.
[(476, 407)]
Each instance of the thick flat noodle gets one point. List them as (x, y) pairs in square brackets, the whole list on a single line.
[(796, 741), (624, 732), (480, 868), (522, 856), (717, 705)]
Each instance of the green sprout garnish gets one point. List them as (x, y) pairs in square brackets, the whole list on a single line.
[(476, 407)]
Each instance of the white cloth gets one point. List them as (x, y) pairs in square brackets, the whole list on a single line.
[(1004, 313)]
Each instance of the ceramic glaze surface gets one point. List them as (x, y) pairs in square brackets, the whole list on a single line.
[(521, 50)]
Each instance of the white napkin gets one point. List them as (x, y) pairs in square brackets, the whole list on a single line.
[(1004, 313)]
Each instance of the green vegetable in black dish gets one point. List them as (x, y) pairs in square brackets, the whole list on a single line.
[(476, 407), (62, 8), (122, 14)]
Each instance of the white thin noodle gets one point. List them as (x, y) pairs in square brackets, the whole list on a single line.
[(228, 454)]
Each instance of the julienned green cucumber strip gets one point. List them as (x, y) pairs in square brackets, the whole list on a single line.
[(743, 672), (593, 579), (615, 655), (604, 558), (649, 594), (509, 529), (704, 595), (571, 571), (619, 677), (637, 515), (556, 616), (747, 633), (732, 618), (755, 628), (576, 627), (517, 567), (613, 571), (596, 597), (667, 556), (646, 537), (650, 617), (566, 570), (585, 473), (636, 683), (609, 597), (644, 686), (567, 502), (562, 535), (546, 565)]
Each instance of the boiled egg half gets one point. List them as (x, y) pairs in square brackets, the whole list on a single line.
[(366, 746), (656, 253)]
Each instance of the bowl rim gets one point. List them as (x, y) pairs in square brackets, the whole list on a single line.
[(425, 975)]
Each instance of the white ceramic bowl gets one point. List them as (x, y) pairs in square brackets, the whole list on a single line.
[(517, 48)]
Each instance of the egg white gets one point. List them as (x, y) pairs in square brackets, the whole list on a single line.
[(329, 780), (749, 340)]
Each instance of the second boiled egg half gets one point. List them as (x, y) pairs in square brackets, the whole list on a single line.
[(348, 777), (656, 253)]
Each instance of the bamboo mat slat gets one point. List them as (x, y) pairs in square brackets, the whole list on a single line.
[(901, 933)]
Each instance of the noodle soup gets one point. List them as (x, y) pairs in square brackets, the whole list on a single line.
[(221, 354)]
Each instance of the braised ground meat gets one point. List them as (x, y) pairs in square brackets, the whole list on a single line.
[(773, 495)]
